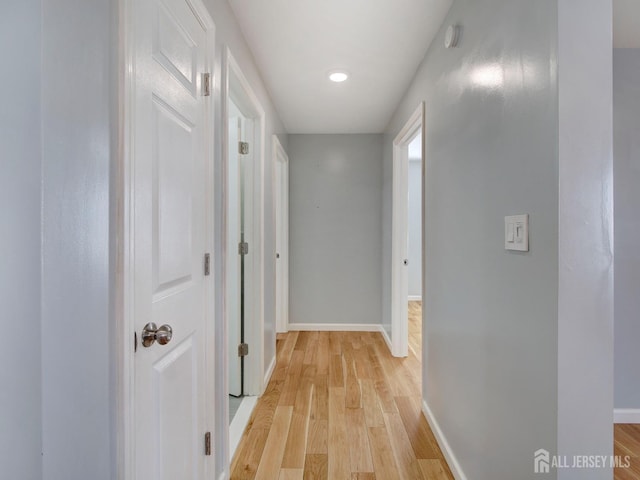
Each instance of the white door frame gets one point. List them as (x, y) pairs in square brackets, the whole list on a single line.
[(399, 233), (236, 85), (280, 156), (123, 241)]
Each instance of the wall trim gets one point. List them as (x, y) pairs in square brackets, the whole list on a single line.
[(387, 340), (626, 415), (449, 456), (268, 373), (335, 327), (239, 423), (415, 298)]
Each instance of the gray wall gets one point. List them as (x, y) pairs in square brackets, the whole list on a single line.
[(490, 362), (335, 184), (76, 167), (585, 233), (493, 319), (626, 131), (20, 375)]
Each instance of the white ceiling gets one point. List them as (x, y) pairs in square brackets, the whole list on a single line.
[(296, 43), (626, 23)]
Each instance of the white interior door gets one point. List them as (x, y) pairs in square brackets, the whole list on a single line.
[(171, 192), (239, 221), (236, 90), (234, 285), (281, 193)]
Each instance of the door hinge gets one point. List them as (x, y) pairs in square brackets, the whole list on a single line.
[(243, 248), (207, 264), (243, 349), (207, 443), (243, 148), (135, 342), (206, 84)]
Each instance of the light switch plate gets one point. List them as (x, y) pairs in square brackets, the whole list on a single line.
[(516, 233)]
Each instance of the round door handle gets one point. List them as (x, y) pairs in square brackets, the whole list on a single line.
[(164, 334), (406, 262), (151, 333)]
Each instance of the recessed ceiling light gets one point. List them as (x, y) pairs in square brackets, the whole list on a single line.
[(338, 76)]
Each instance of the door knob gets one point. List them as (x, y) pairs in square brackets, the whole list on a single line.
[(406, 262), (151, 333)]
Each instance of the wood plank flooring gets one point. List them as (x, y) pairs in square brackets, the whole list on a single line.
[(627, 443), (415, 329), (340, 407)]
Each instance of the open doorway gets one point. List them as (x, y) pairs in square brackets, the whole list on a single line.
[(414, 245), (238, 216), (243, 253), (407, 245)]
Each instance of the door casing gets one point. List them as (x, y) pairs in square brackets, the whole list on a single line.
[(281, 197), (235, 85), (399, 341)]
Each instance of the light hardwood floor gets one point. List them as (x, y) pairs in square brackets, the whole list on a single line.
[(627, 443), (339, 406), (415, 329)]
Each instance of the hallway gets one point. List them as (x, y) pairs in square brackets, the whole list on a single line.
[(339, 406), (184, 179)]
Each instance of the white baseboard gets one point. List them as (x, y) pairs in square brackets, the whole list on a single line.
[(335, 327), (449, 456), (415, 298), (626, 415), (267, 375), (239, 423), (387, 340)]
